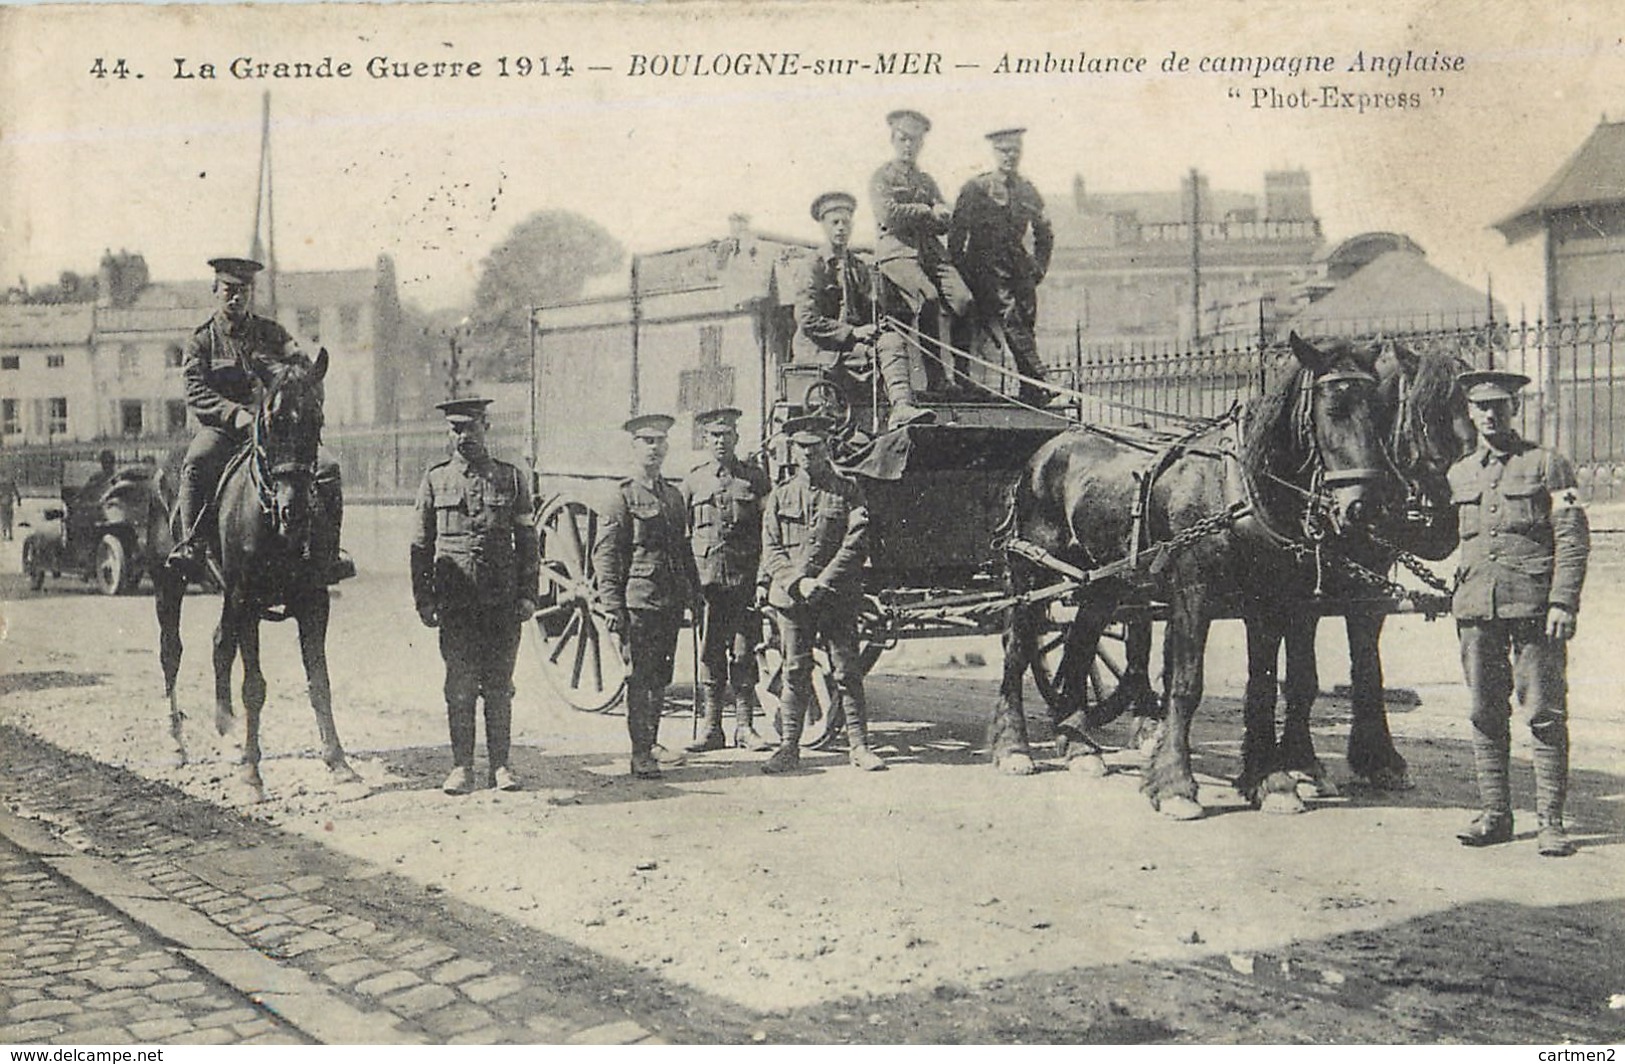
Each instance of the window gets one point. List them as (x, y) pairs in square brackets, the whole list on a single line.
[(129, 360), (10, 423), (309, 322), (173, 356), (175, 416), (129, 417), (10, 361), (56, 416), (350, 323), (53, 361)]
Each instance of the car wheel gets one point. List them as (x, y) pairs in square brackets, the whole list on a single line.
[(114, 573)]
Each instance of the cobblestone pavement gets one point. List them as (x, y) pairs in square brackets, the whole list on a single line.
[(134, 914), (75, 971)]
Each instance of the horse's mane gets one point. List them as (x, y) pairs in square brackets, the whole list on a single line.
[(1433, 402)]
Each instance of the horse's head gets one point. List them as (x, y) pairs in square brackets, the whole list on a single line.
[(1337, 422), (286, 435), (1426, 430)]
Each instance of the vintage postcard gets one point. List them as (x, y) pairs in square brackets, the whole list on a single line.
[(768, 495)]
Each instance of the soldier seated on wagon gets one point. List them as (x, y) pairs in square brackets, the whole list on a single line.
[(836, 312)]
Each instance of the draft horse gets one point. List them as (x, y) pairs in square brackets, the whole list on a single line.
[(1226, 522), (265, 511)]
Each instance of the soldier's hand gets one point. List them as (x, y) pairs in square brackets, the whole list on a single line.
[(761, 595), (241, 419), (1560, 623), (942, 213), (864, 333), (429, 616), (526, 609), (616, 622)]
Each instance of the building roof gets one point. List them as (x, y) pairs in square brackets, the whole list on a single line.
[(1398, 290), (1594, 174), (46, 324)]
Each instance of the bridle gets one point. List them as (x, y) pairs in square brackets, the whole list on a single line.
[(264, 473)]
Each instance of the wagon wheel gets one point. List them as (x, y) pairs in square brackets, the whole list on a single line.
[(579, 656), (1072, 680), (33, 567), (827, 399), (114, 573), (825, 717)]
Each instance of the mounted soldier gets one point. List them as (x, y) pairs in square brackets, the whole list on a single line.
[(226, 362), (994, 217)]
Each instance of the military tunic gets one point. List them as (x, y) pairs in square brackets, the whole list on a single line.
[(645, 571), (1524, 546), (819, 528), (724, 504), (909, 249), (993, 218), (474, 558), (835, 296)]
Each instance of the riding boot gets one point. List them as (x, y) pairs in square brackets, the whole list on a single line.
[(644, 765), (787, 758), (330, 563), (1551, 789), (746, 737), (460, 722), (190, 550), (1491, 757), (857, 735), (712, 738), (892, 358)]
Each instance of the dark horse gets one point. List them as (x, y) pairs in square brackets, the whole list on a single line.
[(1425, 430), (1227, 522), (263, 537)]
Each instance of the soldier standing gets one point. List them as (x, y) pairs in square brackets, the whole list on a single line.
[(474, 571), (646, 577), (919, 285), (1524, 546), (723, 497), (9, 498), (836, 312), (815, 533), (993, 216), (225, 362)]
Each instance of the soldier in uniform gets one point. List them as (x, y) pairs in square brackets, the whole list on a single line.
[(645, 579), (224, 363), (723, 497), (815, 531), (836, 312), (993, 216), (1524, 546), (919, 285), (474, 569)]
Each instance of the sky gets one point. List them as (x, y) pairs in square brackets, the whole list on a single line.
[(433, 171)]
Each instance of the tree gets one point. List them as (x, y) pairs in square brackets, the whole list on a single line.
[(544, 259)]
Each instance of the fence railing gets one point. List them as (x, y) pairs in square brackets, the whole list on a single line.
[(1575, 365)]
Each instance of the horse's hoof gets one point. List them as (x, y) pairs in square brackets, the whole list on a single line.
[(1178, 807), (342, 773), (1015, 765), (1388, 779), (1311, 787), (223, 720), (1282, 803), (1090, 766), (177, 757)]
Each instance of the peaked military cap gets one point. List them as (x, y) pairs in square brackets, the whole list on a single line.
[(830, 201), (237, 271), (649, 425), (723, 417), (467, 409), (912, 121), (1487, 385), (1001, 137), (809, 428)]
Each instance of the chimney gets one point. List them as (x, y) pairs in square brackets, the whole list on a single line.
[(1080, 196), (739, 226), (1286, 196)]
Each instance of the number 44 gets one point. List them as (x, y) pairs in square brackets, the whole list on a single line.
[(100, 69)]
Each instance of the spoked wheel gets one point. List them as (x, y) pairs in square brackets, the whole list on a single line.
[(825, 717), (579, 656), (828, 399), (114, 573), (1073, 679)]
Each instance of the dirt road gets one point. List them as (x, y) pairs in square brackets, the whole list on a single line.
[(937, 901)]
